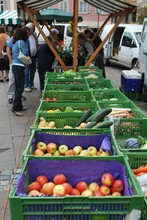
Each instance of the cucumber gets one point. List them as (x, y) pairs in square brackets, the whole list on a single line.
[(84, 117), (101, 115), (104, 124), (90, 125), (92, 116)]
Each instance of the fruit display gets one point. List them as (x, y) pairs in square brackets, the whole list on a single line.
[(49, 145), (51, 149), (58, 186)]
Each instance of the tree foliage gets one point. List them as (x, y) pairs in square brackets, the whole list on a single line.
[(141, 14)]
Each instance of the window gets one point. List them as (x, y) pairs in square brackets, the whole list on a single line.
[(2, 8), (63, 5), (128, 41), (144, 33), (99, 11), (83, 7)]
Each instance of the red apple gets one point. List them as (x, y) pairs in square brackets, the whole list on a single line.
[(59, 179), (47, 188), (87, 193), (68, 188), (107, 179), (51, 148), (105, 190), (117, 186), (75, 192), (81, 186), (38, 152), (33, 193), (62, 149), (34, 186), (98, 193), (59, 190), (41, 145), (70, 153), (116, 194), (42, 179), (94, 187)]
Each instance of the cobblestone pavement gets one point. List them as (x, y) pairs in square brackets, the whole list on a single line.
[(13, 134)]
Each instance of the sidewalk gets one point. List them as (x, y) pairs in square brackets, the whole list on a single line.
[(12, 131)]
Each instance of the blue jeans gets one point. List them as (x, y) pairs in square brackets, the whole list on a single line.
[(30, 73), (19, 77)]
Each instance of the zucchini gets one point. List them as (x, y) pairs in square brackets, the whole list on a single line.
[(91, 124), (92, 116), (84, 117), (101, 115), (104, 124)]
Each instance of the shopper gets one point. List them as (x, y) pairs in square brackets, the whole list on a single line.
[(4, 62), (20, 36), (11, 85), (45, 61), (31, 69), (85, 45)]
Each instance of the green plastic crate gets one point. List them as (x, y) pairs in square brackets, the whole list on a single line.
[(74, 207), (66, 87), (45, 106), (131, 95), (65, 81), (28, 152), (90, 72), (108, 95), (60, 120), (129, 128), (58, 75), (100, 84), (136, 160), (136, 112), (72, 96)]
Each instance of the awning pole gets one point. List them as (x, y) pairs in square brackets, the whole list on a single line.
[(44, 36), (75, 37), (127, 11)]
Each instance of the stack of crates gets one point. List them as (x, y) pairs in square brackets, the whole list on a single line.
[(64, 102)]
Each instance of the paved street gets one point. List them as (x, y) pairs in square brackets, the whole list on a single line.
[(15, 133)]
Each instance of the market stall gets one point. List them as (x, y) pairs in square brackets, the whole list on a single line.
[(115, 8)]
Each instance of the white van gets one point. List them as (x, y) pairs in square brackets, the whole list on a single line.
[(123, 45), (64, 33)]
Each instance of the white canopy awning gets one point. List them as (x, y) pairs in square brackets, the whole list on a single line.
[(9, 17)]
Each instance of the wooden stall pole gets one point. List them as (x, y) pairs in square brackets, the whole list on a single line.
[(44, 36), (127, 11), (75, 41)]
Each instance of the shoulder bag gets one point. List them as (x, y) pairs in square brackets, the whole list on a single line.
[(24, 59)]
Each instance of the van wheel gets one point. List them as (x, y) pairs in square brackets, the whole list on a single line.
[(135, 64), (106, 62)]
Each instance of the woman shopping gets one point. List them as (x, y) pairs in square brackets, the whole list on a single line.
[(18, 67)]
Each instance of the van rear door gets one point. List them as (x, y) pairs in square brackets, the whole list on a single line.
[(143, 50)]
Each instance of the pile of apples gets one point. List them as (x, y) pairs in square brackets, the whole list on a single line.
[(60, 187), (51, 149)]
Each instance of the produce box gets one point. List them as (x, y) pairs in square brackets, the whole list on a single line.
[(131, 109), (103, 140), (108, 95), (61, 75), (63, 81), (72, 96), (100, 84), (136, 160), (90, 72), (129, 128), (65, 108), (66, 87), (75, 207)]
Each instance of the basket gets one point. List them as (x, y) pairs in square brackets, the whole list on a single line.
[(136, 160), (99, 84), (98, 138), (60, 120), (72, 96), (77, 108), (59, 75), (108, 95), (75, 207), (135, 111), (66, 87), (65, 81), (129, 128)]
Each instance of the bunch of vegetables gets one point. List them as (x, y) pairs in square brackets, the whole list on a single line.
[(139, 142)]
